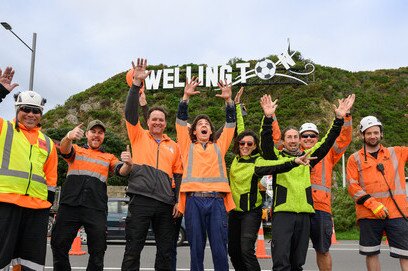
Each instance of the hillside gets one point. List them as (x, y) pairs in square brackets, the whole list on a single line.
[(383, 93)]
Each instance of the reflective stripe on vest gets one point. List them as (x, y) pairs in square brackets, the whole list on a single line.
[(190, 178), (398, 190), (97, 175), (20, 174), (322, 186)]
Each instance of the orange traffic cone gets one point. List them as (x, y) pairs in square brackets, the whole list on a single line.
[(76, 247), (260, 245), (333, 238)]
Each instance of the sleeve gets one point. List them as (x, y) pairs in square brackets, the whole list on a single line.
[(276, 132), (343, 141), (324, 145), (266, 144), (114, 162), (51, 176), (240, 119), (227, 135), (177, 165), (133, 125), (177, 179), (353, 185), (145, 110), (270, 167), (403, 153), (183, 137), (70, 156), (3, 92), (132, 105)]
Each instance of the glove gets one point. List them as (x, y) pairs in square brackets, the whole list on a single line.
[(378, 209)]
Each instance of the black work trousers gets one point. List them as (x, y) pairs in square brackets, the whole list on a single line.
[(68, 221), (141, 212), (23, 236), (290, 240), (243, 230)]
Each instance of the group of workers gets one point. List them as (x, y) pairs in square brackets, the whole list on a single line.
[(167, 180)]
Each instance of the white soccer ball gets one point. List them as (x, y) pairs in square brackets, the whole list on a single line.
[(265, 69)]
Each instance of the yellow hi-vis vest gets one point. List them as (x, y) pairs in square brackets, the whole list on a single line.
[(22, 164)]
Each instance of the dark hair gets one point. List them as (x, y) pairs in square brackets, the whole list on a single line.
[(157, 108), (193, 137), (287, 129), (235, 148)]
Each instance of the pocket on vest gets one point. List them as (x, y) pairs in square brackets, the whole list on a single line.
[(309, 197), (281, 195)]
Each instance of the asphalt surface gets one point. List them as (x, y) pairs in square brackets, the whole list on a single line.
[(344, 254)]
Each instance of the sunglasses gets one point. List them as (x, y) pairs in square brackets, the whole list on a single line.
[(28, 109), (308, 135), (248, 143)]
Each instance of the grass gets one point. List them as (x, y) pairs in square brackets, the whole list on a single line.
[(353, 234)]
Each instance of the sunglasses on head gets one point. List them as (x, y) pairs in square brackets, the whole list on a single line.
[(248, 143), (308, 135), (28, 109)]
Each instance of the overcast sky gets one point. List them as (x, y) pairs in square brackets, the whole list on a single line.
[(84, 42)]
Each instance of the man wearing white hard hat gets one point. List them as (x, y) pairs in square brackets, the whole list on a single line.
[(376, 182), (321, 178), (28, 176)]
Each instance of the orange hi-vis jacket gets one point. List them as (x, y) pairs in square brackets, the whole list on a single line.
[(146, 151), (364, 178), (321, 173), (87, 176), (49, 167), (204, 168)]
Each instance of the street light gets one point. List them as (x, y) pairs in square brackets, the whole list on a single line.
[(8, 27)]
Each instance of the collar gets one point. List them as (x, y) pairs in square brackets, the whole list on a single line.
[(86, 146)]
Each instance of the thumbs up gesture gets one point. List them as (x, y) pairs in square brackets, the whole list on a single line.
[(77, 133), (126, 156)]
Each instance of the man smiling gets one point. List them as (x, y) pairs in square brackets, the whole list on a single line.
[(28, 175), (84, 194)]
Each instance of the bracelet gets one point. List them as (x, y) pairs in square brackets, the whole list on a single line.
[(68, 136)]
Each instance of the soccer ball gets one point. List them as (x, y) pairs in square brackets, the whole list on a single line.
[(265, 69)]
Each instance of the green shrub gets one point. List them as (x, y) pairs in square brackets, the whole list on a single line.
[(343, 210)]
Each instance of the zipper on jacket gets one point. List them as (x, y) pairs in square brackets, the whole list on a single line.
[(157, 156), (31, 171)]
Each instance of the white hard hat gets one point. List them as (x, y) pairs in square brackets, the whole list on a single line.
[(29, 98), (308, 127), (368, 122)]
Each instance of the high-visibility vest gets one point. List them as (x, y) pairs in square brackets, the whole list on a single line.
[(364, 178), (21, 170)]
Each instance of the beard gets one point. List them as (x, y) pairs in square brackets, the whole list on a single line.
[(372, 143)]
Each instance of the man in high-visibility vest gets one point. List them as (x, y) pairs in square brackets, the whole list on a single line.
[(321, 178), (153, 181), (376, 182), (28, 176), (84, 198), (205, 195)]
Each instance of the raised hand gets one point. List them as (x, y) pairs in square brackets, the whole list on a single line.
[(237, 98), (190, 88), (126, 156), (304, 159), (6, 78), (139, 71), (226, 91), (268, 106), (344, 106), (77, 133)]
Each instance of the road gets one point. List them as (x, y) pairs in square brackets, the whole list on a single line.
[(345, 257)]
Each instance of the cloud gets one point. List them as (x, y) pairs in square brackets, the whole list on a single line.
[(81, 43)]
